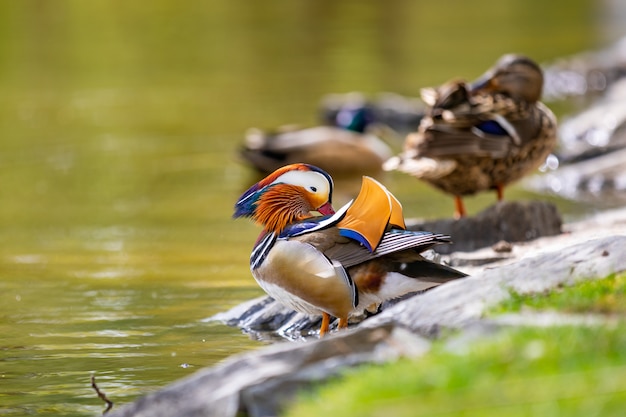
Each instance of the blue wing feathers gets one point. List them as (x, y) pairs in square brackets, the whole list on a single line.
[(354, 235), (492, 127)]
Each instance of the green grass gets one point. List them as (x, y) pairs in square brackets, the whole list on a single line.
[(603, 296), (558, 371)]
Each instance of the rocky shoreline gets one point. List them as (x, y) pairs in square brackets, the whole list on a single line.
[(261, 382), (513, 246)]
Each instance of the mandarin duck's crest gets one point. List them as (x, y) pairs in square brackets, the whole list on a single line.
[(482, 135), (287, 195), (340, 262)]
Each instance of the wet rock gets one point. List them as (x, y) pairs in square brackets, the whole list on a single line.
[(259, 315), (502, 247), (264, 318), (459, 303), (261, 383), (601, 179), (599, 129), (586, 73), (586, 165), (591, 153), (510, 221)]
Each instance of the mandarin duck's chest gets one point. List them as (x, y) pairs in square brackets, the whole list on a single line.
[(298, 275)]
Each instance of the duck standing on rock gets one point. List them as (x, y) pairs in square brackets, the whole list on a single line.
[(346, 148), (481, 136), (341, 262)]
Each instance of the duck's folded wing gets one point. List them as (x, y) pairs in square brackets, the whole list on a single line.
[(440, 141), (349, 252)]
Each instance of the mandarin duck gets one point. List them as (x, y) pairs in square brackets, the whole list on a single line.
[(481, 136), (343, 148), (341, 262)]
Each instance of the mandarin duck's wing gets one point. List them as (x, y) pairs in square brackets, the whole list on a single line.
[(399, 251), (370, 214), (359, 225), (371, 226), (349, 252)]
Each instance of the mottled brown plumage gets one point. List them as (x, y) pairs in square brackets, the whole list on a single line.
[(481, 136)]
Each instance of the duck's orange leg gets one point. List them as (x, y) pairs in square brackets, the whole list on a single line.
[(500, 192), (325, 324), (459, 207), (343, 323)]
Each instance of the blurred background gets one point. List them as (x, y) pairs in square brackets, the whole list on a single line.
[(120, 124)]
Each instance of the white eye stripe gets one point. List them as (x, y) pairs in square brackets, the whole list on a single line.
[(309, 180)]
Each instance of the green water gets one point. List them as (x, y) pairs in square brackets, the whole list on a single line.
[(119, 124)]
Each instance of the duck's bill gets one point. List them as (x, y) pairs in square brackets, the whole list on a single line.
[(326, 209)]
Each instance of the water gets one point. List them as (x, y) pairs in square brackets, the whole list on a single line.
[(119, 125)]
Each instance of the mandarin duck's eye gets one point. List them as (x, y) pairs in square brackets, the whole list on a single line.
[(314, 189)]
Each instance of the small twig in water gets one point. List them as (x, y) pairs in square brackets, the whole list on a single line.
[(102, 395)]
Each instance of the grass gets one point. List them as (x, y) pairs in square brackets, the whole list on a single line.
[(603, 296), (559, 371)]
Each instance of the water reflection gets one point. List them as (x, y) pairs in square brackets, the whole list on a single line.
[(118, 169)]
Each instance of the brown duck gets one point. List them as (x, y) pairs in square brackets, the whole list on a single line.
[(481, 136)]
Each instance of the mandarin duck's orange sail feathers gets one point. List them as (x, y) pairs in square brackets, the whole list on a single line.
[(374, 209), (397, 214)]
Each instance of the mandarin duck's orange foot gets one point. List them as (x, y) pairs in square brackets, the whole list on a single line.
[(325, 324), (338, 263), (483, 135)]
